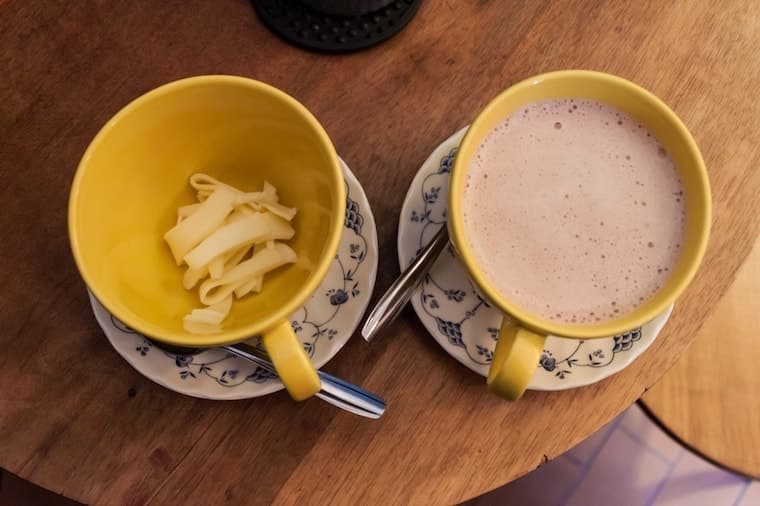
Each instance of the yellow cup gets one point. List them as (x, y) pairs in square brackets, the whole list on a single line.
[(522, 336), (134, 176)]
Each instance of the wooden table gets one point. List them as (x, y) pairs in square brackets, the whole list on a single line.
[(709, 399), (76, 419)]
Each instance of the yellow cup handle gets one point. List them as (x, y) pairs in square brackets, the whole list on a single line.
[(515, 359), (293, 366)]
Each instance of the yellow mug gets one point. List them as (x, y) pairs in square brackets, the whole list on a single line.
[(522, 336), (134, 176)]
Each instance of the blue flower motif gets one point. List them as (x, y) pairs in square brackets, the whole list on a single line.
[(447, 162), (338, 297), (547, 362), (431, 196), (456, 295), (624, 342), (452, 331), (357, 252), (420, 217), (592, 358), (228, 374), (183, 360), (493, 332), (484, 352), (354, 220), (260, 376), (143, 349)]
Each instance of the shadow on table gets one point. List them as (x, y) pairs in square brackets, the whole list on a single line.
[(17, 492)]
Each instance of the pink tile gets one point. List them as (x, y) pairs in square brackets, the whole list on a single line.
[(696, 482), (548, 485), (650, 435), (623, 473), (632, 462), (585, 450), (750, 495)]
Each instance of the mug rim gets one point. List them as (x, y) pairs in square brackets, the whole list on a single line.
[(257, 327), (456, 226)]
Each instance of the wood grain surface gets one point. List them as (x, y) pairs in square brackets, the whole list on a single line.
[(76, 419), (709, 398)]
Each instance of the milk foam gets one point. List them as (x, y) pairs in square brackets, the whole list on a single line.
[(574, 211)]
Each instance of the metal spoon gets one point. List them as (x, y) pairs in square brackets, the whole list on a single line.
[(335, 391), (393, 300)]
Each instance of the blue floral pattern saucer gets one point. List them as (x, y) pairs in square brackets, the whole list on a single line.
[(464, 323), (324, 324)]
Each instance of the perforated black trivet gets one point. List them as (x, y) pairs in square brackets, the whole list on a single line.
[(307, 28)]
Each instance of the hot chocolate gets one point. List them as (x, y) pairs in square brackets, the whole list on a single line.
[(574, 211)]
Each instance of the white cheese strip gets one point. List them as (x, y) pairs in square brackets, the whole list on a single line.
[(255, 228), (205, 185), (192, 276), (185, 211), (229, 241), (208, 217), (208, 320), (253, 285), (287, 213), (213, 291), (222, 263)]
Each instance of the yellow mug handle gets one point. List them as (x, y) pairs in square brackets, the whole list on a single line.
[(515, 359), (293, 366)]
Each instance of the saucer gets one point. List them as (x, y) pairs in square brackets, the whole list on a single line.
[(461, 320), (324, 324)]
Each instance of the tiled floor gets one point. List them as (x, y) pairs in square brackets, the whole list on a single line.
[(629, 462)]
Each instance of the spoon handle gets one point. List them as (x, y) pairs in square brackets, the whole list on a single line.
[(393, 300), (335, 391)]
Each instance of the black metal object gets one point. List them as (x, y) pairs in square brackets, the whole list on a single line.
[(347, 7), (305, 27)]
